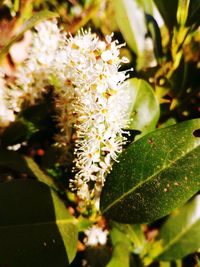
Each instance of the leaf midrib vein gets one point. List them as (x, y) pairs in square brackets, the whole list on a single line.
[(184, 231), (57, 222), (148, 179)]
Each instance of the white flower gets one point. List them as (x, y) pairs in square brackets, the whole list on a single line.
[(100, 103), (39, 67), (90, 98), (95, 236), (14, 147)]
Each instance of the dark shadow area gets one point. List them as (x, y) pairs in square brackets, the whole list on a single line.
[(29, 236)]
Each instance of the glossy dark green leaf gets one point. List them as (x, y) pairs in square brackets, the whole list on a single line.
[(180, 234), (30, 23), (35, 226), (168, 11), (156, 174), (144, 109)]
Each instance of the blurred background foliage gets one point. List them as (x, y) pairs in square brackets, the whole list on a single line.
[(163, 46), (163, 41)]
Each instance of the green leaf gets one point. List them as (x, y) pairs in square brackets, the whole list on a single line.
[(144, 109), (182, 11), (30, 23), (148, 6), (125, 239), (14, 161), (180, 234), (156, 174), (39, 174), (131, 26), (35, 226), (168, 122), (120, 257), (168, 11), (130, 234)]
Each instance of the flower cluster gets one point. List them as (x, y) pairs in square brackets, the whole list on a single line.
[(90, 98), (6, 113), (36, 73), (99, 106)]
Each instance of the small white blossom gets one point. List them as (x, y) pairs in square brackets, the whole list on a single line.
[(14, 147), (95, 236)]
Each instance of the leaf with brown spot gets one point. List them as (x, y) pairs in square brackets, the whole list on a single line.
[(155, 174)]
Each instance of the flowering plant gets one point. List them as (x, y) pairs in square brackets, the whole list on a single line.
[(96, 156)]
